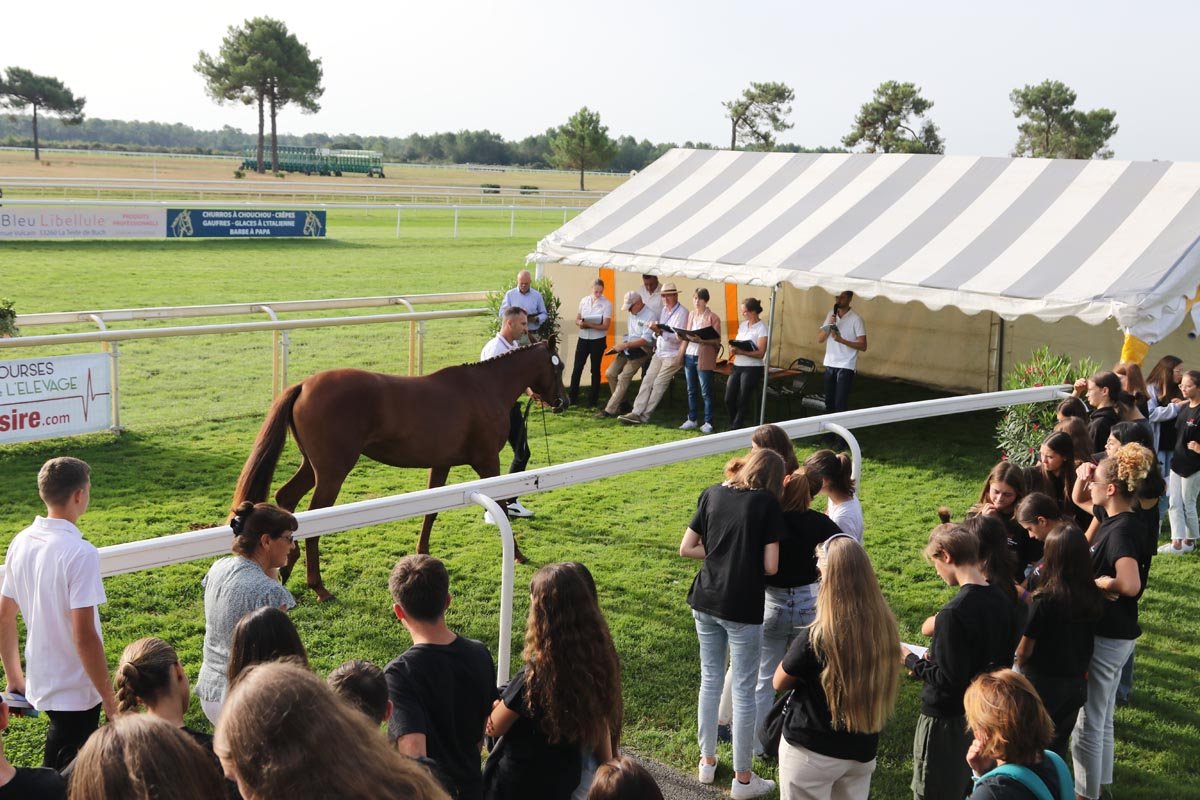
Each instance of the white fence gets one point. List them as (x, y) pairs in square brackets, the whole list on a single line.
[(182, 547), (399, 208), (110, 339)]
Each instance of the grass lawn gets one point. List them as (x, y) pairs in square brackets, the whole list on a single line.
[(192, 407)]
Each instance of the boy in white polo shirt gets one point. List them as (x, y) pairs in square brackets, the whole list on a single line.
[(52, 577)]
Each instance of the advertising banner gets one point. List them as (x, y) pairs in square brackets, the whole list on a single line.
[(41, 398), (81, 222), (243, 223)]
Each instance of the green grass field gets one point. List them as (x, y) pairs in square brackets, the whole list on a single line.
[(192, 407)]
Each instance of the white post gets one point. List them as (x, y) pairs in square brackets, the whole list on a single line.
[(114, 357), (507, 579), (512, 220), (762, 410), (456, 222), (398, 222)]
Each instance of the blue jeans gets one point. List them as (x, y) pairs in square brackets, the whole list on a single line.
[(837, 388), (701, 378), (1093, 745), (745, 643), (785, 612)]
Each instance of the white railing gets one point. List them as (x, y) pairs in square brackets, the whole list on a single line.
[(182, 547), (399, 208)]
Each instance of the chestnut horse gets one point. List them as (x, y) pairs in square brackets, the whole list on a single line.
[(458, 415)]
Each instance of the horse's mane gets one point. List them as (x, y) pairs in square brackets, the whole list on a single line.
[(503, 356)]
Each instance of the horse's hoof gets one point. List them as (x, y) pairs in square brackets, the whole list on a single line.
[(520, 558), (323, 595)]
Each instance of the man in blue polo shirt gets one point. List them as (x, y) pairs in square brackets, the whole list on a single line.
[(526, 297)]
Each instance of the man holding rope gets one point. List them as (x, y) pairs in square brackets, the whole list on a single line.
[(513, 326)]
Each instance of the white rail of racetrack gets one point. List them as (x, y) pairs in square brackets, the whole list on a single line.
[(182, 547)]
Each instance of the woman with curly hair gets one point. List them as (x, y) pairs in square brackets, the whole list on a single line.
[(844, 673), (284, 734), (1120, 562), (561, 713)]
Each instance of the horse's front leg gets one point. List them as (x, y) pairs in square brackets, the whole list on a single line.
[(437, 477)]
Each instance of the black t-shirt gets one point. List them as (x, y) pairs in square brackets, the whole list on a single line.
[(1002, 787), (809, 723), (1063, 641), (735, 526), (1187, 429), (802, 532), (35, 783), (524, 764), (1026, 549), (1122, 536), (1100, 423), (445, 691), (975, 632)]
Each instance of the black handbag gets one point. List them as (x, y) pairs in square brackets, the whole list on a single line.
[(773, 726)]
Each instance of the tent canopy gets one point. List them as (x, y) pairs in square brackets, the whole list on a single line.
[(1051, 238)]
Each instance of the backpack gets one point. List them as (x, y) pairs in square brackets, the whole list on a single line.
[(1030, 780)]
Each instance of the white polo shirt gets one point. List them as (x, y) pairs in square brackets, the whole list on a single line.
[(850, 327), (51, 570), (653, 300), (669, 343), (594, 309), (497, 346)]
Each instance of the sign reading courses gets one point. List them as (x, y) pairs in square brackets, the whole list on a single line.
[(41, 398), (243, 223)]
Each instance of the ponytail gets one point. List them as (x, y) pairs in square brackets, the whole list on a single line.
[(144, 673), (837, 468)]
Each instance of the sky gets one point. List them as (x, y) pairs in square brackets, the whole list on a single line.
[(655, 70)]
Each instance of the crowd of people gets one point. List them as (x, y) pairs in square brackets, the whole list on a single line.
[(801, 657)]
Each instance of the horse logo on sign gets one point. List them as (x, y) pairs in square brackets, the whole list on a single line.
[(182, 224), (312, 224)]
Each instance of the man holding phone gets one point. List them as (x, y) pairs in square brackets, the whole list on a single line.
[(845, 336)]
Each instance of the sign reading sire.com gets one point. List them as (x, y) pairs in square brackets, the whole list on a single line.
[(240, 223), (42, 398)]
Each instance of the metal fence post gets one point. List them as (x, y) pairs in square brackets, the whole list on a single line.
[(456, 222), (512, 220), (277, 343), (507, 579), (398, 210)]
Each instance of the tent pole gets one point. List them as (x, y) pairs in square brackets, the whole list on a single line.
[(762, 409)]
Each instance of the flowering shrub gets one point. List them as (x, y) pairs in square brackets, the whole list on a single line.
[(1022, 429)]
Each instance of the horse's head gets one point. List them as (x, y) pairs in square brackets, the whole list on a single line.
[(547, 381)]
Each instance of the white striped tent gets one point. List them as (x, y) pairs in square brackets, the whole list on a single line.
[(1050, 238)]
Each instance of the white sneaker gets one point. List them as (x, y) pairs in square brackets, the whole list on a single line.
[(1170, 549), (515, 509), (488, 519), (757, 787), (706, 773), (706, 428), (688, 425)]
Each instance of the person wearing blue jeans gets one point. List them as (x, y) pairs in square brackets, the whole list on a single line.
[(845, 336), (735, 533), (699, 382)]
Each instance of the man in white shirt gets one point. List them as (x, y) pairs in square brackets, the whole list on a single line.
[(651, 295), (632, 353), (512, 328), (845, 336), (665, 362), (524, 296), (52, 579)]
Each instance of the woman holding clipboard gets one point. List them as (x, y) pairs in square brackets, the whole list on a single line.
[(699, 360), (747, 364)]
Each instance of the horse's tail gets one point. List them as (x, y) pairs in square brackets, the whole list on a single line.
[(254, 484)]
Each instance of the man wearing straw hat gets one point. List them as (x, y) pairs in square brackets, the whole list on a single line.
[(665, 362)]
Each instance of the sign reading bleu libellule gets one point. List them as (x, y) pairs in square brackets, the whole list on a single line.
[(184, 223)]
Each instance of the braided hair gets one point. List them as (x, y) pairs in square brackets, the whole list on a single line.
[(144, 673)]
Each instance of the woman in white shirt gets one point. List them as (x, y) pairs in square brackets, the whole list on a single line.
[(595, 312), (747, 365)]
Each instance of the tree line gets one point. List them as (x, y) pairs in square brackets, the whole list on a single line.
[(261, 64)]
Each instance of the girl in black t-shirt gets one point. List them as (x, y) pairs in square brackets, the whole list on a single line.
[(1002, 491), (844, 675), (1119, 560), (1056, 647), (1103, 392), (565, 702), (735, 531), (1185, 469), (1054, 475)]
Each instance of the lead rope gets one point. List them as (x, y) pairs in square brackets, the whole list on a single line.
[(545, 427)]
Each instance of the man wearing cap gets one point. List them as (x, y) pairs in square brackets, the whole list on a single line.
[(632, 353), (665, 362), (651, 295), (526, 297)]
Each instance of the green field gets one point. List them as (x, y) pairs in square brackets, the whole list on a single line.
[(192, 407)]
